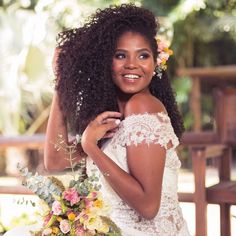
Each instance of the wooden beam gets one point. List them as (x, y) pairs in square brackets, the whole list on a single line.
[(15, 190), (199, 138), (216, 72), (186, 197), (35, 141)]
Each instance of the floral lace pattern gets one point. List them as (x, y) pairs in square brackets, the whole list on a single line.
[(135, 129), (148, 128)]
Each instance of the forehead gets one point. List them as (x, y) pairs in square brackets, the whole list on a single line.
[(133, 39)]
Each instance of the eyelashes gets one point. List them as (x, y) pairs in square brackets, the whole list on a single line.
[(144, 55), (121, 55)]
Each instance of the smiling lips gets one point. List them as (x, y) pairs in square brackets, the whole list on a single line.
[(131, 77)]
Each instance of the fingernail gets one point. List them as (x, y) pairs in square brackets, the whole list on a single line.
[(117, 121)]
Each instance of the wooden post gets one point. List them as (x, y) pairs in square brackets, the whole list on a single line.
[(224, 175), (199, 169), (195, 103)]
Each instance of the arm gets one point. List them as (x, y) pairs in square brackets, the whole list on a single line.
[(56, 160), (141, 189)]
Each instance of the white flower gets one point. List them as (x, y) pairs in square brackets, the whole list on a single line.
[(64, 226), (47, 231)]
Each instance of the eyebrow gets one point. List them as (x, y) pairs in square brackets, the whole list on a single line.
[(139, 50)]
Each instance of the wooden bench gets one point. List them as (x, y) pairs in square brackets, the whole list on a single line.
[(218, 145)]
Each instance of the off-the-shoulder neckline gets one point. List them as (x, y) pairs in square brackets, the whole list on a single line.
[(161, 113)]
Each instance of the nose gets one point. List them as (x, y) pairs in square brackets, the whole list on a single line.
[(131, 63)]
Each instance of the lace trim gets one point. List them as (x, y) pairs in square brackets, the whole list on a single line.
[(148, 127)]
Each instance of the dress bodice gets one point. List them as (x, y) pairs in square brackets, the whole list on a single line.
[(133, 130)]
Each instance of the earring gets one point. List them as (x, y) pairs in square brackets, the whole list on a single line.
[(154, 73)]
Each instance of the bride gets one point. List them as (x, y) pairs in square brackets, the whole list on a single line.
[(112, 89)]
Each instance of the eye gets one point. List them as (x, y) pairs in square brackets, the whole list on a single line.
[(144, 55), (119, 55)]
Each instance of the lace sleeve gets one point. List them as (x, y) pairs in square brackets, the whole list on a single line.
[(149, 128)]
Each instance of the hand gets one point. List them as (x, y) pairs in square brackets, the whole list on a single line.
[(103, 126)]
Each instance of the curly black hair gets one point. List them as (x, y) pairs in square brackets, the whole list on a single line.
[(85, 85)]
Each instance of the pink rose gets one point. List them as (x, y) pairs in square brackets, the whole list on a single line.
[(88, 203), (92, 195), (56, 208), (79, 231), (164, 56), (71, 195), (64, 226)]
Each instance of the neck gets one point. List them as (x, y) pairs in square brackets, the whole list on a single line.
[(122, 100)]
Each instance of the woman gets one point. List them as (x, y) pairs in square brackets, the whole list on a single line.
[(109, 92), (107, 88)]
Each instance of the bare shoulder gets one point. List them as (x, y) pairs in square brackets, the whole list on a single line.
[(143, 103)]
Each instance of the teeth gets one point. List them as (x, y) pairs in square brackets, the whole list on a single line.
[(130, 76)]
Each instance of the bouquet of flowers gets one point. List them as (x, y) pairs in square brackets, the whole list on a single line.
[(76, 210)]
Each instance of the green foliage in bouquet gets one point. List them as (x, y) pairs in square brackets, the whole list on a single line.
[(76, 210), (45, 187)]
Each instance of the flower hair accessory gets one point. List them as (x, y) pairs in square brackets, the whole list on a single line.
[(163, 55)]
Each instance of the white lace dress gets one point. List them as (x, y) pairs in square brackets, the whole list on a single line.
[(150, 128)]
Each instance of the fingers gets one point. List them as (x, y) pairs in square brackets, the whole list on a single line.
[(101, 118), (108, 120), (103, 126), (111, 125)]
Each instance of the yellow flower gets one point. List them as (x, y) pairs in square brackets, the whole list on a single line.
[(91, 220), (164, 67), (87, 211), (55, 229), (170, 52), (163, 62), (59, 218), (98, 203), (71, 216), (104, 228)]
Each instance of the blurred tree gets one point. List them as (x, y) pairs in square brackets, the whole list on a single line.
[(160, 7), (207, 35), (202, 33), (30, 45), (28, 31)]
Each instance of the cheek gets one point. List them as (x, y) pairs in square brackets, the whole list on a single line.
[(116, 68), (149, 69)]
